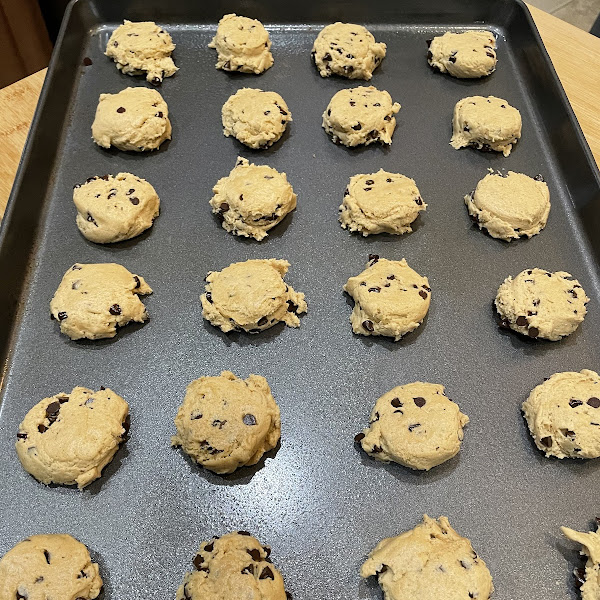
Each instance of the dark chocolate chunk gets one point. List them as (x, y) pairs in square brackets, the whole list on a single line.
[(376, 449), (224, 207), (533, 332), (291, 306), (546, 441), (369, 182), (121, 109), (249, 419), (357, 438), (327, 57), (249, 570), (491, 55), (579, 575), (573, 403), (423, 294), (21, 436), (357, 127), (198, 560), (396, 402), (62, 316), (375, 289), (243, 532), (137, 281), (452, 58), (419, 201), (262, 321), (391, 277), (413, 426), (209, 547), (42, 428), (255, 554), (283, 112), (47, 556), (522, 321), (115, 309), (594, 402), (368, 325), (419, 401), (373, 258), (267, 574), (539, 178)]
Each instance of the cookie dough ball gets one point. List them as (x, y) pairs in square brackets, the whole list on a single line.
[(381, 202), (226, 422), (467, 55), (429, 562), (414, 425), (242, 44), (140, 48), (251, 296), (510, 206), (361, 115), (486, 124), (590, 587), (49, 566), (115, 208), (92, 300), (255, 118), (563, 415), (135, 119), (348, 50), (233, 566), (541, 304), (252, 199), (389, 298), (69, 438)]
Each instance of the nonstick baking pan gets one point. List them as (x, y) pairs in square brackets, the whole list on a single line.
[(317, 499)]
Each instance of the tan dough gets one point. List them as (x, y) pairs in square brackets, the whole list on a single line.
[(115, 208), (590, 590), (563, 415), (69, 438), (44, 567), (255, 118), (485, 123), (252, 199), (140, 48), (510, 206), (251, 296), (135, 119), (381, 202), (242, 44), (389, 298), (414, 425), (541, 304), (348, 50), (92, 300), (233, 566), (429, 562), (360, 115), (225, 422), (467, 55)]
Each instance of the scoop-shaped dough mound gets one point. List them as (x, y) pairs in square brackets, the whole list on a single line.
[(467, 55)]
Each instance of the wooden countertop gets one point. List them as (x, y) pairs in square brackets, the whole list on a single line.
[(575, 54)]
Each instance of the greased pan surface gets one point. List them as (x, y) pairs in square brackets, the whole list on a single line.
[(319, 502)]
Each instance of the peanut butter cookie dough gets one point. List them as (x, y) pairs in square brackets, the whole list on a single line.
[(467, 55), (590, 588)]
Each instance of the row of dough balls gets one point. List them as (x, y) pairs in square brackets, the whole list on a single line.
[(430, 561)]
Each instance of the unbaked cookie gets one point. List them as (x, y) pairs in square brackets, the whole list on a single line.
[(563, 415), (233, 566), (347, 49), (69, 438), (510, 206), (255, 118), (429, 562), (134, 119), (242, 44), (226, 422), (541, 304), (92, 300), (49, 566), (140, 48), (590, 578), (251, 296), (415, 425), (381, 202), (486, 124), (252, 199), (115, 208), (389, 298), (467, 55), (361, 115)]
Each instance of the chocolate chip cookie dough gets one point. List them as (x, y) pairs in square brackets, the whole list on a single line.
[(144, 47), (415, 425), (348, 50), (235, 565), (590, 578), (226, 422), (135, 119), (486, 124), (49, 566), (510, 206), (390, 298), (113, 208), (252, 199), (242, 45), (541, 304), (563, 415), (381, 202), (92, 300), (251, 296), (429, 562), (360, 115), (69, 438), (467, 55), (255, 117)]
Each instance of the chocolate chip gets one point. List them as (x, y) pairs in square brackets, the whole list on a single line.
[(42, 428), (522, 321), (492, 56), (283, 112), (539, 178), (373, 134), (87, 61), (20, 596), (52, 411), (369, 182), (414, 426), (452, 58), (137, 281), (262, 321), (249, 419), (594, 402), (348, 68), (224, 207), (373, 258), (375, 289), (115, 309), (546, 441), (198, 560), (40, 579), (376, 449), (326, 57), (121, 109), (357, 127), (209, 297), (368, 325), (218, 423), (47, 556), (466, 128), (91, 219), (391, 277), (419, 201), (573, 403), (291, 306), (209, 547), (368, 189), (396, 402), (579, 575), (533, 332), (62, 316), (423, 294), (255, 554), (243, 532), (382, 569), (112, 194), (420, 402), (249, 570), (21, 436), (357, 438), (288, 595), (429, 55)]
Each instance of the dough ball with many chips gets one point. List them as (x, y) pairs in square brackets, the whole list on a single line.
[(467, 55), (588, 579)]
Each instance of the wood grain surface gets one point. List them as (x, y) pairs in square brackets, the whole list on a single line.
[(575, 54)]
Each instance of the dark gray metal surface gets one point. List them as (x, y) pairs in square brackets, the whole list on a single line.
[(318, 501)]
